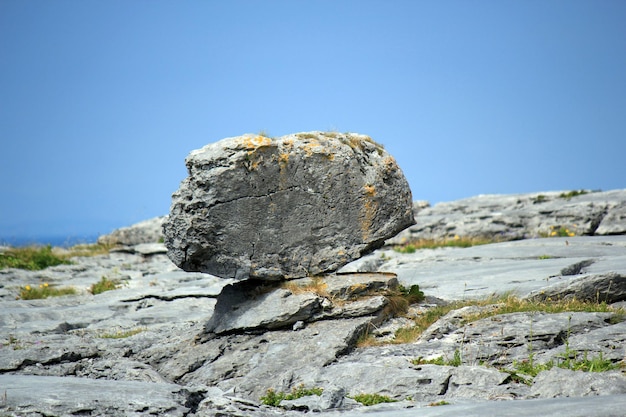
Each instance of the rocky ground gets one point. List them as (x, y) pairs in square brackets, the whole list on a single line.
[(165, 344)]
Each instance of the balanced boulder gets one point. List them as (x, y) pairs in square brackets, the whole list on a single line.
[(295, 206)]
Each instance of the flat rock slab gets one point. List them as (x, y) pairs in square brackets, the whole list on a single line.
[(150, 299), (559, 382), (604, 406), (521, 216), (74, 338), (350, 285), (240, 307), (519, 267), (55, 396), (289, 207), (250, 364), (248, 305)]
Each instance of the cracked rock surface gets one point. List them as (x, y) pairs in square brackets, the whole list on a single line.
[(521, 216), (289, 207), (176, 343)]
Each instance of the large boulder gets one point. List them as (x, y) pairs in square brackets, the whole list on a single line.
[(295, 206)]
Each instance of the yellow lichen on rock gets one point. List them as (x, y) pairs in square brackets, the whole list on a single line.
[(370, 190), (254, 142), (368, 213), (283, 159)]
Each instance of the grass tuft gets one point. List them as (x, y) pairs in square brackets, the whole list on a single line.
[(455, 242), (105, 284), (372, 399), (317, 286), (273, 398), (89, 250), (413, 294), (456, 361), (44, 291), (438, 403), (122, 334), (573, 193)]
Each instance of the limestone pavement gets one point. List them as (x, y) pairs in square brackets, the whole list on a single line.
[(165, 344)]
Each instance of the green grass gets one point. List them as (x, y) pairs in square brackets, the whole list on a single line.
[(14, 343), (456, 360), (32, 258), (438, 403), (105, 284), (521, 370), (455, 242), (36, 258), (273, 398), (572, 360), (372, 399), (44, 291), (413, 294), (574, 193), (511, 304)]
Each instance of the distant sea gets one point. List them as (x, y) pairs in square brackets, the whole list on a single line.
[(61, 241)]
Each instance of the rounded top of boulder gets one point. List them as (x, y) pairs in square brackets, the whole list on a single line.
[(273, 208)]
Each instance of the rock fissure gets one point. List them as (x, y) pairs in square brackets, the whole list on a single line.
[(267, 195), (169, 297), (445, 385), (595, 221), (66, 357), (577, 268), (155, 358)]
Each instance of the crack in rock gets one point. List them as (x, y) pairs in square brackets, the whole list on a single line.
[(577, 268)]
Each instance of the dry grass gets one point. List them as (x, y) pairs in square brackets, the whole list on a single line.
[(456, 242), (502, 305), (88, 250), (122, 334), (316, 285)]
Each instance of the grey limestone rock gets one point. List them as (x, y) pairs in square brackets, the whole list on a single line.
[(65, 396), (519, 216), (559, 382), (241, 307), (614, 223), (147, 231), (72, 356), (609, 287), (288, 207), (520, 267)]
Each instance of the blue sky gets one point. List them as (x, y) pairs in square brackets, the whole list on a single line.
[(101, 101)]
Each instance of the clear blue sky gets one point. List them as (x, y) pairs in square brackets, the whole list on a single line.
[(101, 101)]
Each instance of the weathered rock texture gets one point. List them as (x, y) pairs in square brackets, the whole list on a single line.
[(147, 231), (173, 343), (521, 216), (294, 206)]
